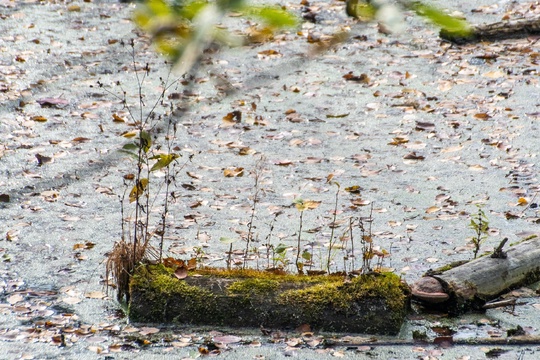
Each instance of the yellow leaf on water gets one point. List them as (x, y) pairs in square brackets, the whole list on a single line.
[(117, 118), (432, 209), (130, 134), (302, 205), (234, 172), (138, 190), (39, 118), (494, 74)]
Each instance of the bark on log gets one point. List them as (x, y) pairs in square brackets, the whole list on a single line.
[(366, 304), (497, 31), (471, 285)]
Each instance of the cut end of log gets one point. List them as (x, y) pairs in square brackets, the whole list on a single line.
[(429, 290)]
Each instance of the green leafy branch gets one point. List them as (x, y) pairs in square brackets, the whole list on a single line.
[(182, 29), (480, 225), (388, 13)]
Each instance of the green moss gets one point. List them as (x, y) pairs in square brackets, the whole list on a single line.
[(447, 267), (369, 303), (267, 275), (158, 286), (253, 287), (343, 296)]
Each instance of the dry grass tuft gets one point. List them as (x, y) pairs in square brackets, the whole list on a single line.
[(121, 263)]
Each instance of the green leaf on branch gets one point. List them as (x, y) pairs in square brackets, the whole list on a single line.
[(306, 255), (145, 141), (272, 16), (182, 30), (163, 160), (448, 23), (362, 10)]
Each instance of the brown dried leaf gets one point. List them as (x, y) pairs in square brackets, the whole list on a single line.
[(233, 117), (39, 118), (398, 141), (413, 156), (234, 172), (360, 202), (117, 118), (53, 102), (362, 78), (482, 116), (95, 295)]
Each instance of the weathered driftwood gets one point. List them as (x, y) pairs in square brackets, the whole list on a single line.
[(471, 285), (367, 304), (497, 31)]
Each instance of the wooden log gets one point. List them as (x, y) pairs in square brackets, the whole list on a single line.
[(471, 285), (372, 304), (496, 31)]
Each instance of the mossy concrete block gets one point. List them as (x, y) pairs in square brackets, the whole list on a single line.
[(371, 304)]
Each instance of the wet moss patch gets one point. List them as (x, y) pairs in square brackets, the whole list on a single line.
[(374, 304)]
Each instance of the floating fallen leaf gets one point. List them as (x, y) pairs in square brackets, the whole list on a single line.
[(398, 141), (42, 159), (15, 298), (302, 205), (87, 245), (72, 300), (246, 151), (53, 102), (360, 202), (355, 189), (269, 53), (482, 116), (80, 139), (424, 126), (362, 78), (283, 162), (445, 85), (148, 330), (432, 209), (522, 201), (96, 349), (50, 195), (494, 74), (117, 118), (510, 216), (95, 295), (11, 235), (330, 116), (233, 117), (452, 149), (69, 218), (413, 156), (193, 175), (130, 134), (227, 339), (39, 118), (477, 167), (234, 172)]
